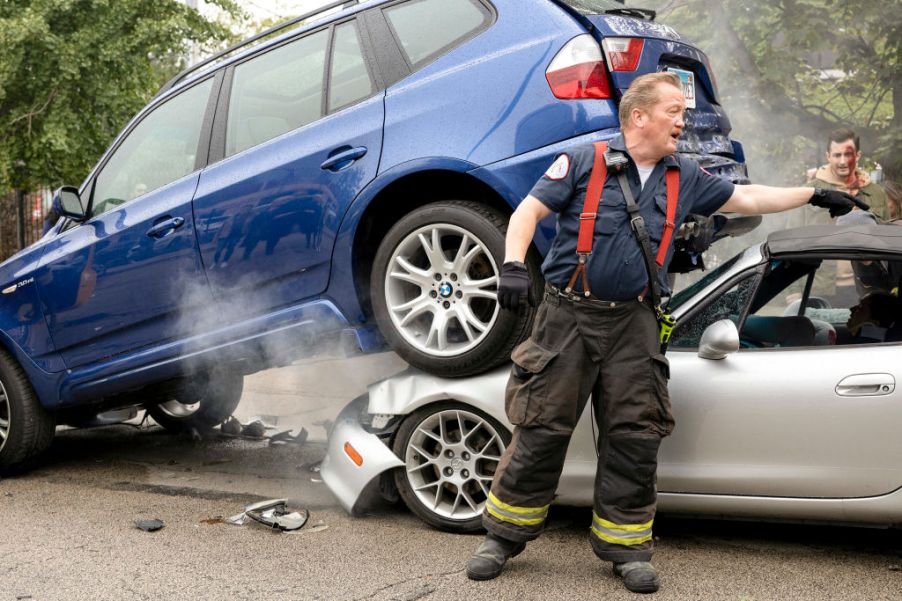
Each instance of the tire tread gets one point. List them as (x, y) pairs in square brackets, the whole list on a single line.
[(38, 425)]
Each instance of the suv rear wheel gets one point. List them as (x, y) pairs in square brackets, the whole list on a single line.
[(434, 289), (208, 401), (26, 428)]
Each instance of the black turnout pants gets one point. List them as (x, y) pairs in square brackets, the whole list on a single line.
[(609, 351)]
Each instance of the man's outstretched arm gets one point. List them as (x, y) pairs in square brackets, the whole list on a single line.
[(755, 199)]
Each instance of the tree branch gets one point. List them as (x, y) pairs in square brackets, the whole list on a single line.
[(876, 106), (772, 98), (32, 114)]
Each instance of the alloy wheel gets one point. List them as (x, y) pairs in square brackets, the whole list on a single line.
[(441, 290), (450, 461)]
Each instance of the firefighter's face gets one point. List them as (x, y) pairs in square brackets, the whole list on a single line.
[(663, 123), (842, 158)]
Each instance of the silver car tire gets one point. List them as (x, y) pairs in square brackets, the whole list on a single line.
[(450, 452), (208, 401), (434, 289), (26, 428)]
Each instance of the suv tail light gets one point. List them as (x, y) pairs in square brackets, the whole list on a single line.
[(578, 71), (623, 53)]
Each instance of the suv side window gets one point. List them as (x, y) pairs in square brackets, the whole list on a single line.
[(276, 92), (159, 150), (349, 79), (426, 28)]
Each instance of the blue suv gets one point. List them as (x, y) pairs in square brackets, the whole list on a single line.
[(347, 181)]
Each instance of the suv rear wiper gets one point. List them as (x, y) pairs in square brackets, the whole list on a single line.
[(639, 13)]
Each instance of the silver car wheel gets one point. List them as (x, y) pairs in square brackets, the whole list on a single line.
[(178, 409), (441, 290), (4, 416), (450, 461)]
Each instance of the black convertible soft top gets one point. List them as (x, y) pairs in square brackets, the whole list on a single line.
[(863, 239)]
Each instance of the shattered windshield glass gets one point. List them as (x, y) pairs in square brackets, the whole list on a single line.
[(686, 293)]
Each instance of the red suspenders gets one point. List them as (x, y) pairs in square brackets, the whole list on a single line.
[(590, 212)]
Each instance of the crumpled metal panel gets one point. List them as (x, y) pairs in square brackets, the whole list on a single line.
[(412, 389)]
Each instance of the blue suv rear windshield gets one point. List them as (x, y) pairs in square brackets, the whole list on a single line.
[(592, 7)]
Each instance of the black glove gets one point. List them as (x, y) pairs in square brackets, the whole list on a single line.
[(514, 284), (839, 203)]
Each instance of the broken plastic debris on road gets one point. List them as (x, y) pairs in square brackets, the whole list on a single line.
[(274, 514)]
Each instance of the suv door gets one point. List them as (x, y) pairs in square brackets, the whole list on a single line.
[(301, 138), (131, 277)]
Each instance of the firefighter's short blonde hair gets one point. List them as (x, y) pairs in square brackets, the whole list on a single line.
[(643, 93)]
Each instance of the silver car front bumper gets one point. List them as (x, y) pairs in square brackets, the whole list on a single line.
[(349, 444)]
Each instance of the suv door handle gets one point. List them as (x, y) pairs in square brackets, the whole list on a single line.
[(164, 228), (342, 158), (866, 385)]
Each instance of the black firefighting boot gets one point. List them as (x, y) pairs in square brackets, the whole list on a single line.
[(490, 557), (638, 576)]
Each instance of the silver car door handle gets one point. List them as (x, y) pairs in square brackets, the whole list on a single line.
[(866, 385), (343, 159), (165, 227)]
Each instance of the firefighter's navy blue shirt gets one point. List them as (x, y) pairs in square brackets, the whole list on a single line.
[(616, 267)]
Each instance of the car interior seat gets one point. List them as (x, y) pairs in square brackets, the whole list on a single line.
[(766, 330)]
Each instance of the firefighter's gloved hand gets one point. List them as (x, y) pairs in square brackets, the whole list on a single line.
[(838, 203), (514, 285)]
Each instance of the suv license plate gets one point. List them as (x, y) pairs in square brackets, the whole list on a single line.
[(688, 79)]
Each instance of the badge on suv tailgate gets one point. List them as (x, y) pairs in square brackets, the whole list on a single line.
[(688, 79)]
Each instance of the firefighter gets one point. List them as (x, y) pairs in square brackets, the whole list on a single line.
[(600, 327)]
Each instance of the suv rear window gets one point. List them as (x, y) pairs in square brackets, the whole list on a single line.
[(592, 7), (426, 28)]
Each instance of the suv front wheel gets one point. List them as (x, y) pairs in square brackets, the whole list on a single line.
[(26, 428), (434, 289)]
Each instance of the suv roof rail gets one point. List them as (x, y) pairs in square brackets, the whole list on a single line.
[(219, 55)]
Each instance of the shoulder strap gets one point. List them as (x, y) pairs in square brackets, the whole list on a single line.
[(593, 198), (672, 182), (590, 212), (587, 217)]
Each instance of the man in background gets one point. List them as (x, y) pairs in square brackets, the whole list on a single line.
[(842, 173)]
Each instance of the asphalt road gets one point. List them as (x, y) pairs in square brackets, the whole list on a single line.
[(68, 526)]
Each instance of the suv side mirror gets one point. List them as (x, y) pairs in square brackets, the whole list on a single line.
[(719, 340), (67, 203)]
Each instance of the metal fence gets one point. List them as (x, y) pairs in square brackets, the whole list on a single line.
[(21, 223)]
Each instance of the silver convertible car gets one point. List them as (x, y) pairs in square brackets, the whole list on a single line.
[(783, 380)]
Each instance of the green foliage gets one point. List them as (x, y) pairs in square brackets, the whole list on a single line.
[(769, 57), (73, 72)]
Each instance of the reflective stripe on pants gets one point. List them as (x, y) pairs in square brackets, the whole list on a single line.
[(620, 534), (519, 516)]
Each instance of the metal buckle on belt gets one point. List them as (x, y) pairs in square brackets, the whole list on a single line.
[(565, 294)]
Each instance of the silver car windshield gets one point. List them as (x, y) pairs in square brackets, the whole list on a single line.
[(691, 290)]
